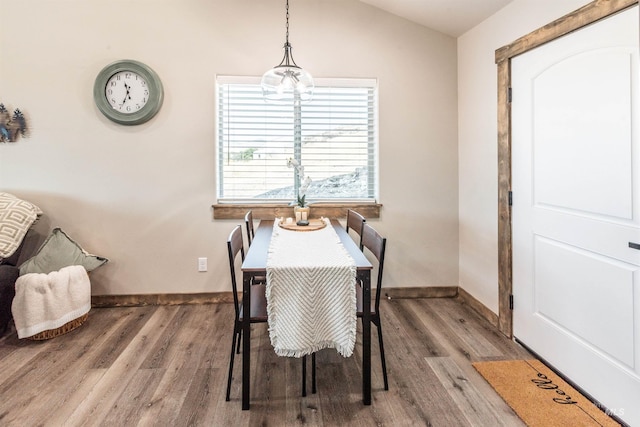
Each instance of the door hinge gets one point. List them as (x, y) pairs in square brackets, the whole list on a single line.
[(510, 198), (511, 302), (509, 95)]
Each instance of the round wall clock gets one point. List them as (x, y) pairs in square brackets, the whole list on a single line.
[(128, 92)]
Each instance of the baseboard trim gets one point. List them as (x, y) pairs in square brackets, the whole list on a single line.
[(421, 292), (137, 300), (477, 306), (98, 301)]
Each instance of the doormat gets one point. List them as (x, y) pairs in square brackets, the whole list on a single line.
[(539, 396)]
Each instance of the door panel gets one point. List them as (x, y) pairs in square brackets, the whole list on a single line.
[(572, 286), (576, 193), (586, 166)]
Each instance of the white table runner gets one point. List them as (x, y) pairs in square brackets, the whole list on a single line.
[(311, 297)]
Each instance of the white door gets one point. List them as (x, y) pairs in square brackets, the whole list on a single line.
[(576, 208)]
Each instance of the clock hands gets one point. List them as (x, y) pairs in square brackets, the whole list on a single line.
[(126, 96), (131, 102)]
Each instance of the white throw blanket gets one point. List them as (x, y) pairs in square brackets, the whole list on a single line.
[(48, 301), (311, 297)]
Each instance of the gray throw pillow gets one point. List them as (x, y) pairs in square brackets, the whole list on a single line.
[(59, 251)]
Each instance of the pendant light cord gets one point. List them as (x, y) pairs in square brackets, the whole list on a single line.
[(287, 34), (287, 60)]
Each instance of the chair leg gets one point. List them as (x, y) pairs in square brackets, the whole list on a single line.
[(304, 376), (239, 340), (233, 347), (313, 373), (382, 359)]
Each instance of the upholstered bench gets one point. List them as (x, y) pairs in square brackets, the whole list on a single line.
[(18, 242)]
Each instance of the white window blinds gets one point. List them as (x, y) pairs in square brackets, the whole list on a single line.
[(333, 137)]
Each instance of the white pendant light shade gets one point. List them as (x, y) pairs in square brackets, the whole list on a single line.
[(286, 81)]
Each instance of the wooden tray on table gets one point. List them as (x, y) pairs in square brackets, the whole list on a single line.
[(314, 224)]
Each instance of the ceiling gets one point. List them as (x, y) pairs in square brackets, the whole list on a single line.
[(452, 17)]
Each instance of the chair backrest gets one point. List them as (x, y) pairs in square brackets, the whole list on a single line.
[(376, 244), (235, 245), (248, 220), (355, 221)]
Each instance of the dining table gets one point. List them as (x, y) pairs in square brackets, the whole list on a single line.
[(255, 265)]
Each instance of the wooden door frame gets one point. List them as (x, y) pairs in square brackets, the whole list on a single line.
[(573, 21)]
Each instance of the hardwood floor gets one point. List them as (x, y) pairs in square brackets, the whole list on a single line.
[(167, 366)]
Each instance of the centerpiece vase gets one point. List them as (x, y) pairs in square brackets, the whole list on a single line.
[(301, 209)]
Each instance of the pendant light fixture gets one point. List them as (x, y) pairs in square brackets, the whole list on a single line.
[(286, 81)]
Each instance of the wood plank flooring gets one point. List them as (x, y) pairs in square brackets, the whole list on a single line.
[(167, 366)]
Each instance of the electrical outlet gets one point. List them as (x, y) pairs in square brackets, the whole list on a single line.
[(202, 264)]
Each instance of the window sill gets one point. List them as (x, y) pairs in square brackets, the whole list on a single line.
[(273, 210)]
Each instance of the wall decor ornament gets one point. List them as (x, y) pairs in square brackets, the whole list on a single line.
[(12, 126)]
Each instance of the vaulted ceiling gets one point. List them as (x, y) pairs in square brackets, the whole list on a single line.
[(452, 17)]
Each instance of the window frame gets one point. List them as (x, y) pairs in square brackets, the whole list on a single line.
[(276, 204)]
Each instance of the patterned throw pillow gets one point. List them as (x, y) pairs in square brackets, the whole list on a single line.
[(16, 216)]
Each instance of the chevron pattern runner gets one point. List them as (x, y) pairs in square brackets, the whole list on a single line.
[(311, 297)]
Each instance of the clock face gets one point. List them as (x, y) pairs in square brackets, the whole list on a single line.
[(127, 92)]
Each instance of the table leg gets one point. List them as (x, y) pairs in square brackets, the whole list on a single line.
[(366, 337), (246, 340)]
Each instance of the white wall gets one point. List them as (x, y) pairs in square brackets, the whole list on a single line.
[(477, 137), (142, 195)]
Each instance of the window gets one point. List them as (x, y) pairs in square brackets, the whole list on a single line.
[(333, 137)]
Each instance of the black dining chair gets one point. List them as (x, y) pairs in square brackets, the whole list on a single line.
[(258, 310), (376, 244), (248, 221), (355, 222)]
